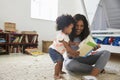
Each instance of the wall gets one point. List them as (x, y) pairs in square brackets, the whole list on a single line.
[(71, 6), (91, 7), (18, 11)]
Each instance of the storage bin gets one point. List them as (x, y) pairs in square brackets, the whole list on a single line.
[(8, 26), (45, 45)]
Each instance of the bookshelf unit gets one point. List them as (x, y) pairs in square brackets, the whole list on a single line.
[(3, 43), (17, 43)]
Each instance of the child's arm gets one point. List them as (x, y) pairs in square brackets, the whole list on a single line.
[(74, 43), (71, 52)]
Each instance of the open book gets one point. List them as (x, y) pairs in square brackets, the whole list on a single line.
[(86, 46)]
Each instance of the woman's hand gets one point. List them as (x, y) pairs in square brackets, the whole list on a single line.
[(75, 54), (97, 47)]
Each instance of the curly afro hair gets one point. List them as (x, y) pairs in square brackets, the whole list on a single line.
[(64, 21)]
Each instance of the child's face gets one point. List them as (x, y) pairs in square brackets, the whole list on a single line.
[(68, 29)]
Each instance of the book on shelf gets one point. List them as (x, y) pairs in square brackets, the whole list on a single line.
[(86, 46), (26, 39), (2, 40), (10, 49), (20, 39), (2, 50), (34, 39), (16, 49), (16, 40)]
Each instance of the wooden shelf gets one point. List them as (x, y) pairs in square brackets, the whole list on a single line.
[(3, 43), (18, 43)]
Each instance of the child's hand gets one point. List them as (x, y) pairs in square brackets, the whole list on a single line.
[(77, 43), (61, 40), (74, 53)]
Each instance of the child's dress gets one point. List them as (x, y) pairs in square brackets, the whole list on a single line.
[(59, 46)]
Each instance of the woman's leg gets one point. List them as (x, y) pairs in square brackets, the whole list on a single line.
[(101, 62), (81, 64), (75, 66), (84, 64), (103, 59), (100, 59), (90, 60)]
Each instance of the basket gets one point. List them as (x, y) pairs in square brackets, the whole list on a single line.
[(45, 45), (8, 26)]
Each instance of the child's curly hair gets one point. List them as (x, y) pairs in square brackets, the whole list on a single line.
[(64, 21)]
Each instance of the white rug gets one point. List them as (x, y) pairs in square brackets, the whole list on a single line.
[(27, 67)]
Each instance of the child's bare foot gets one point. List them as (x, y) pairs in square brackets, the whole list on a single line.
[(58, 77), (62, 72)]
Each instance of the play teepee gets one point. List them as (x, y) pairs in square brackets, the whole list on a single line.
[(107, 15)]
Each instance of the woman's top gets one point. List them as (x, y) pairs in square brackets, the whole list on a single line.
[(74, 47)]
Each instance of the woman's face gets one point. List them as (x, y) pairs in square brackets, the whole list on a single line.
[(79, 27)]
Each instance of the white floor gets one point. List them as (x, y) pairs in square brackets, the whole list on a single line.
[(27, 67)]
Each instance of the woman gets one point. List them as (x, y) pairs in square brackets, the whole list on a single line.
[(85, 64)]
